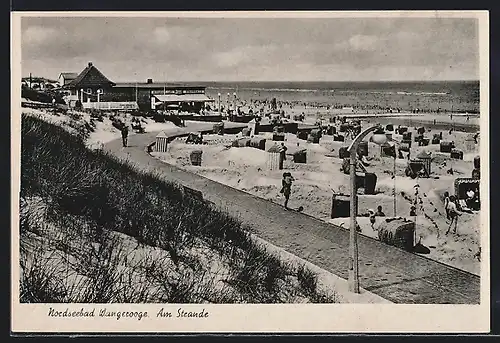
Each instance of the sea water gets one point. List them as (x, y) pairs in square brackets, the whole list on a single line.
[(442, 96)]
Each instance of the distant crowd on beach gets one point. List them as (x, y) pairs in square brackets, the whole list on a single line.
[(253, 106)]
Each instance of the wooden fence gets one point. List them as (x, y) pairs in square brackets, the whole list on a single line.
[(111, 105)]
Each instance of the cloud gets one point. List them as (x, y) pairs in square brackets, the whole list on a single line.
[(363, 42), (38, 34), (229, 58), (161, 35), (244, 55), (194, 49)]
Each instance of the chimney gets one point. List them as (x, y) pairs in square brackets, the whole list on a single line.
[(150, 80), (90, 64)]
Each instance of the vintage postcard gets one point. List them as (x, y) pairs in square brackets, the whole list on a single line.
[(250, 172)]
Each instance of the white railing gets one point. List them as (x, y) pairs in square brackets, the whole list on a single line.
[(111, 105)]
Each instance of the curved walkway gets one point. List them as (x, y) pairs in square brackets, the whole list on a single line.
[(392, 273)]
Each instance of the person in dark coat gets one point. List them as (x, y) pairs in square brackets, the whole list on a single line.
[(124, 131), (379, 212), (286, 186), (283, 150)]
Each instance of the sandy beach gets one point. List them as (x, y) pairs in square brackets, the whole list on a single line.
[(247, 169)]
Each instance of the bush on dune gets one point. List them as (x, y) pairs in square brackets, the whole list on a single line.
[(41, 96)]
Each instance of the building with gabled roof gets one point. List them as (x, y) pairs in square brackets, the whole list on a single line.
[(91, 86), (65, 78), (91, 77)]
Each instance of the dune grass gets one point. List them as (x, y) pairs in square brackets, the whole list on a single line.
[(81, 209)]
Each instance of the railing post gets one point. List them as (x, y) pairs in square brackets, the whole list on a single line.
[(353, 234), (353, 239)]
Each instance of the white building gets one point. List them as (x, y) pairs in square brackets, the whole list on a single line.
[(65, 78)]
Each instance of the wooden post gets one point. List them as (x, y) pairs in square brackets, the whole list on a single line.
[(394, 189), (219, 104), (353, 241), (353, 234)]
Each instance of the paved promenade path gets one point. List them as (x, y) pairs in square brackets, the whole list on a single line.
[(392, 273)]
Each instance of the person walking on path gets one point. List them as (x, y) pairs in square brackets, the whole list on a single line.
[(124, 132), (453, 213), (286, 186)]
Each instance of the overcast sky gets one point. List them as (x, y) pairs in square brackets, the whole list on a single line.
[(195, 49)]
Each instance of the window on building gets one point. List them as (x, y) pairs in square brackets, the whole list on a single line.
[(89, 90)]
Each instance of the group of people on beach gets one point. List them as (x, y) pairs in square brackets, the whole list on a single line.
[(450, 205)]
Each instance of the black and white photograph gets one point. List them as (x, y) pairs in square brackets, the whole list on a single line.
[(168, 164)]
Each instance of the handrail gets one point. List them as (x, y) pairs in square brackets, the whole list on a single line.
[(362, 135)]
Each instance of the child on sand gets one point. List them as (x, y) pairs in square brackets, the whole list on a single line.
[(478, 254), (286, 186), (453, 213), (372, 218), (446, 202)]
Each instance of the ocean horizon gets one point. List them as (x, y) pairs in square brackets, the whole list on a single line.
[(461, 96)]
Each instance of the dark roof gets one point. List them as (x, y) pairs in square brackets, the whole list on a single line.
[(156, 85), (69, 76), (424, 155), (90, 77)]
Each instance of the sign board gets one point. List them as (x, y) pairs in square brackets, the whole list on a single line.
[(177, 91)]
